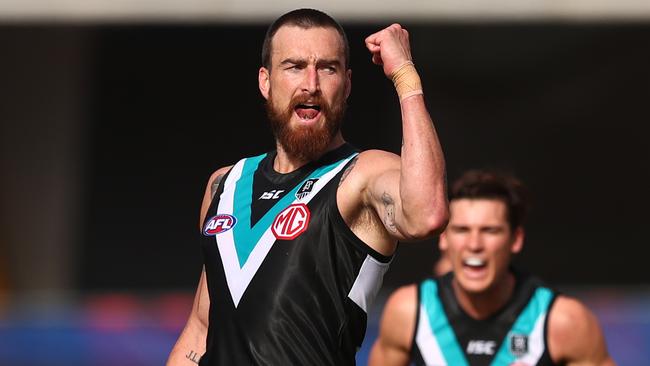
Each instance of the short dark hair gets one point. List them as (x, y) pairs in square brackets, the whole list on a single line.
[(306, 19), (485, 184)]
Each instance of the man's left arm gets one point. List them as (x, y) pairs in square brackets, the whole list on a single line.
[(574, 335), (408, 192)]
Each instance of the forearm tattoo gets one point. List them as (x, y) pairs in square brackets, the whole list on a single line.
[(348, 170), (193, 356), (215, 185), (389, 206)]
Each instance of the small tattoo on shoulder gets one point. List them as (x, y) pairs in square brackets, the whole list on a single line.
[(193, 356), (215, 185), (348, 169), (389, 206)]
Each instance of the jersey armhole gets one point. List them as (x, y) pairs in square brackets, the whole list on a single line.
[(547, 351), (418, 299), (338, 220), (216, 196)]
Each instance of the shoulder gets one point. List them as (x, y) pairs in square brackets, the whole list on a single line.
[(568, 316), (403, 302), (574, 333), (217, 176), (210, 190), (399, 315)]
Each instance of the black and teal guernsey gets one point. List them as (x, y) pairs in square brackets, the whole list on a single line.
[(289, 282), (516, 334)]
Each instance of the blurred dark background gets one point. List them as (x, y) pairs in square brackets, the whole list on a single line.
[(109, 132), (119, 126)]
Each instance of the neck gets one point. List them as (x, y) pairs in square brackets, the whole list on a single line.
[(481, 305), (285, 163)]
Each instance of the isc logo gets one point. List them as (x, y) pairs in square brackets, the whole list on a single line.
[(291, 222), (218, 224), (481, 347), (273, 195)]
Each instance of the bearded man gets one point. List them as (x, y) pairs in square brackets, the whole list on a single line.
[(296, 241)]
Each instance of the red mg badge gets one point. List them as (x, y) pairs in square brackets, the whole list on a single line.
[(291, 222)]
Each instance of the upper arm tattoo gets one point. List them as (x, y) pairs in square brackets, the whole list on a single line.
[(215, 185), (348, 169), (389, 206)]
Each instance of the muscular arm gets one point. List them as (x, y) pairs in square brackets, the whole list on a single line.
[(191, 343), (408, 192), (574, 335), (393, 346)]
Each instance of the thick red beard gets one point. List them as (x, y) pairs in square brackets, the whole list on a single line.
[(305, 143)]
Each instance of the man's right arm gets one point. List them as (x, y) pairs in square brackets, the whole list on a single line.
[(190, 345), (393, 346)]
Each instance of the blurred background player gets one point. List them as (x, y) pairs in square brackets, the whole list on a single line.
[(485, 312)]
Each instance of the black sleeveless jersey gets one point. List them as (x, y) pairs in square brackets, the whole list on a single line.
[(289, 282), (516, 334)]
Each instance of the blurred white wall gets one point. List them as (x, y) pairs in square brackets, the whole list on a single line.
[(264, 11)]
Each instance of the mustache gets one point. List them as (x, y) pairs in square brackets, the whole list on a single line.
[(307, 98)]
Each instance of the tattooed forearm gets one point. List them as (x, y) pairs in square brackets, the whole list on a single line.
[(348, 170), (193, 356), (215, 185), (389, 206)]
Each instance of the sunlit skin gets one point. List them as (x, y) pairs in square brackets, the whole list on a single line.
[(309, 63), (480, 243)]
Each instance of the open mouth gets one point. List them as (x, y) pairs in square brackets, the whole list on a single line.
[(474, 263), (307, 112)]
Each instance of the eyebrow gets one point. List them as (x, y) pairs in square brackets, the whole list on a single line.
[(293, 61), (319, 63), (329, 62)]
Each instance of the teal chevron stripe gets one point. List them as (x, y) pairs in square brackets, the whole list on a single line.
[(440, 327), (245, 236), (242, 201), (536, 308)]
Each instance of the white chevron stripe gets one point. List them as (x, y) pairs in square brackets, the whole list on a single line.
[(238, 278), (535, 342), (427, 342)]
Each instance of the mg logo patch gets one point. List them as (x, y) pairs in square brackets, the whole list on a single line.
[(218, 224), (519, 344), (291, 222), (306, 188)]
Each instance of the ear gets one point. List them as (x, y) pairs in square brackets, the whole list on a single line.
[(518, 240), (442, 242), (348, 83), (264, 82)]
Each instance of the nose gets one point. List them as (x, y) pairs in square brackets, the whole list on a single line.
[(311, 83), (474, 242)]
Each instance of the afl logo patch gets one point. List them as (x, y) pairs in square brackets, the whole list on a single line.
[(291, 222), (219, 224)]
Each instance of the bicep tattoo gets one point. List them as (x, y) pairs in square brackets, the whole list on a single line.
[(389, 217), (348, 169), (215, 185)]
